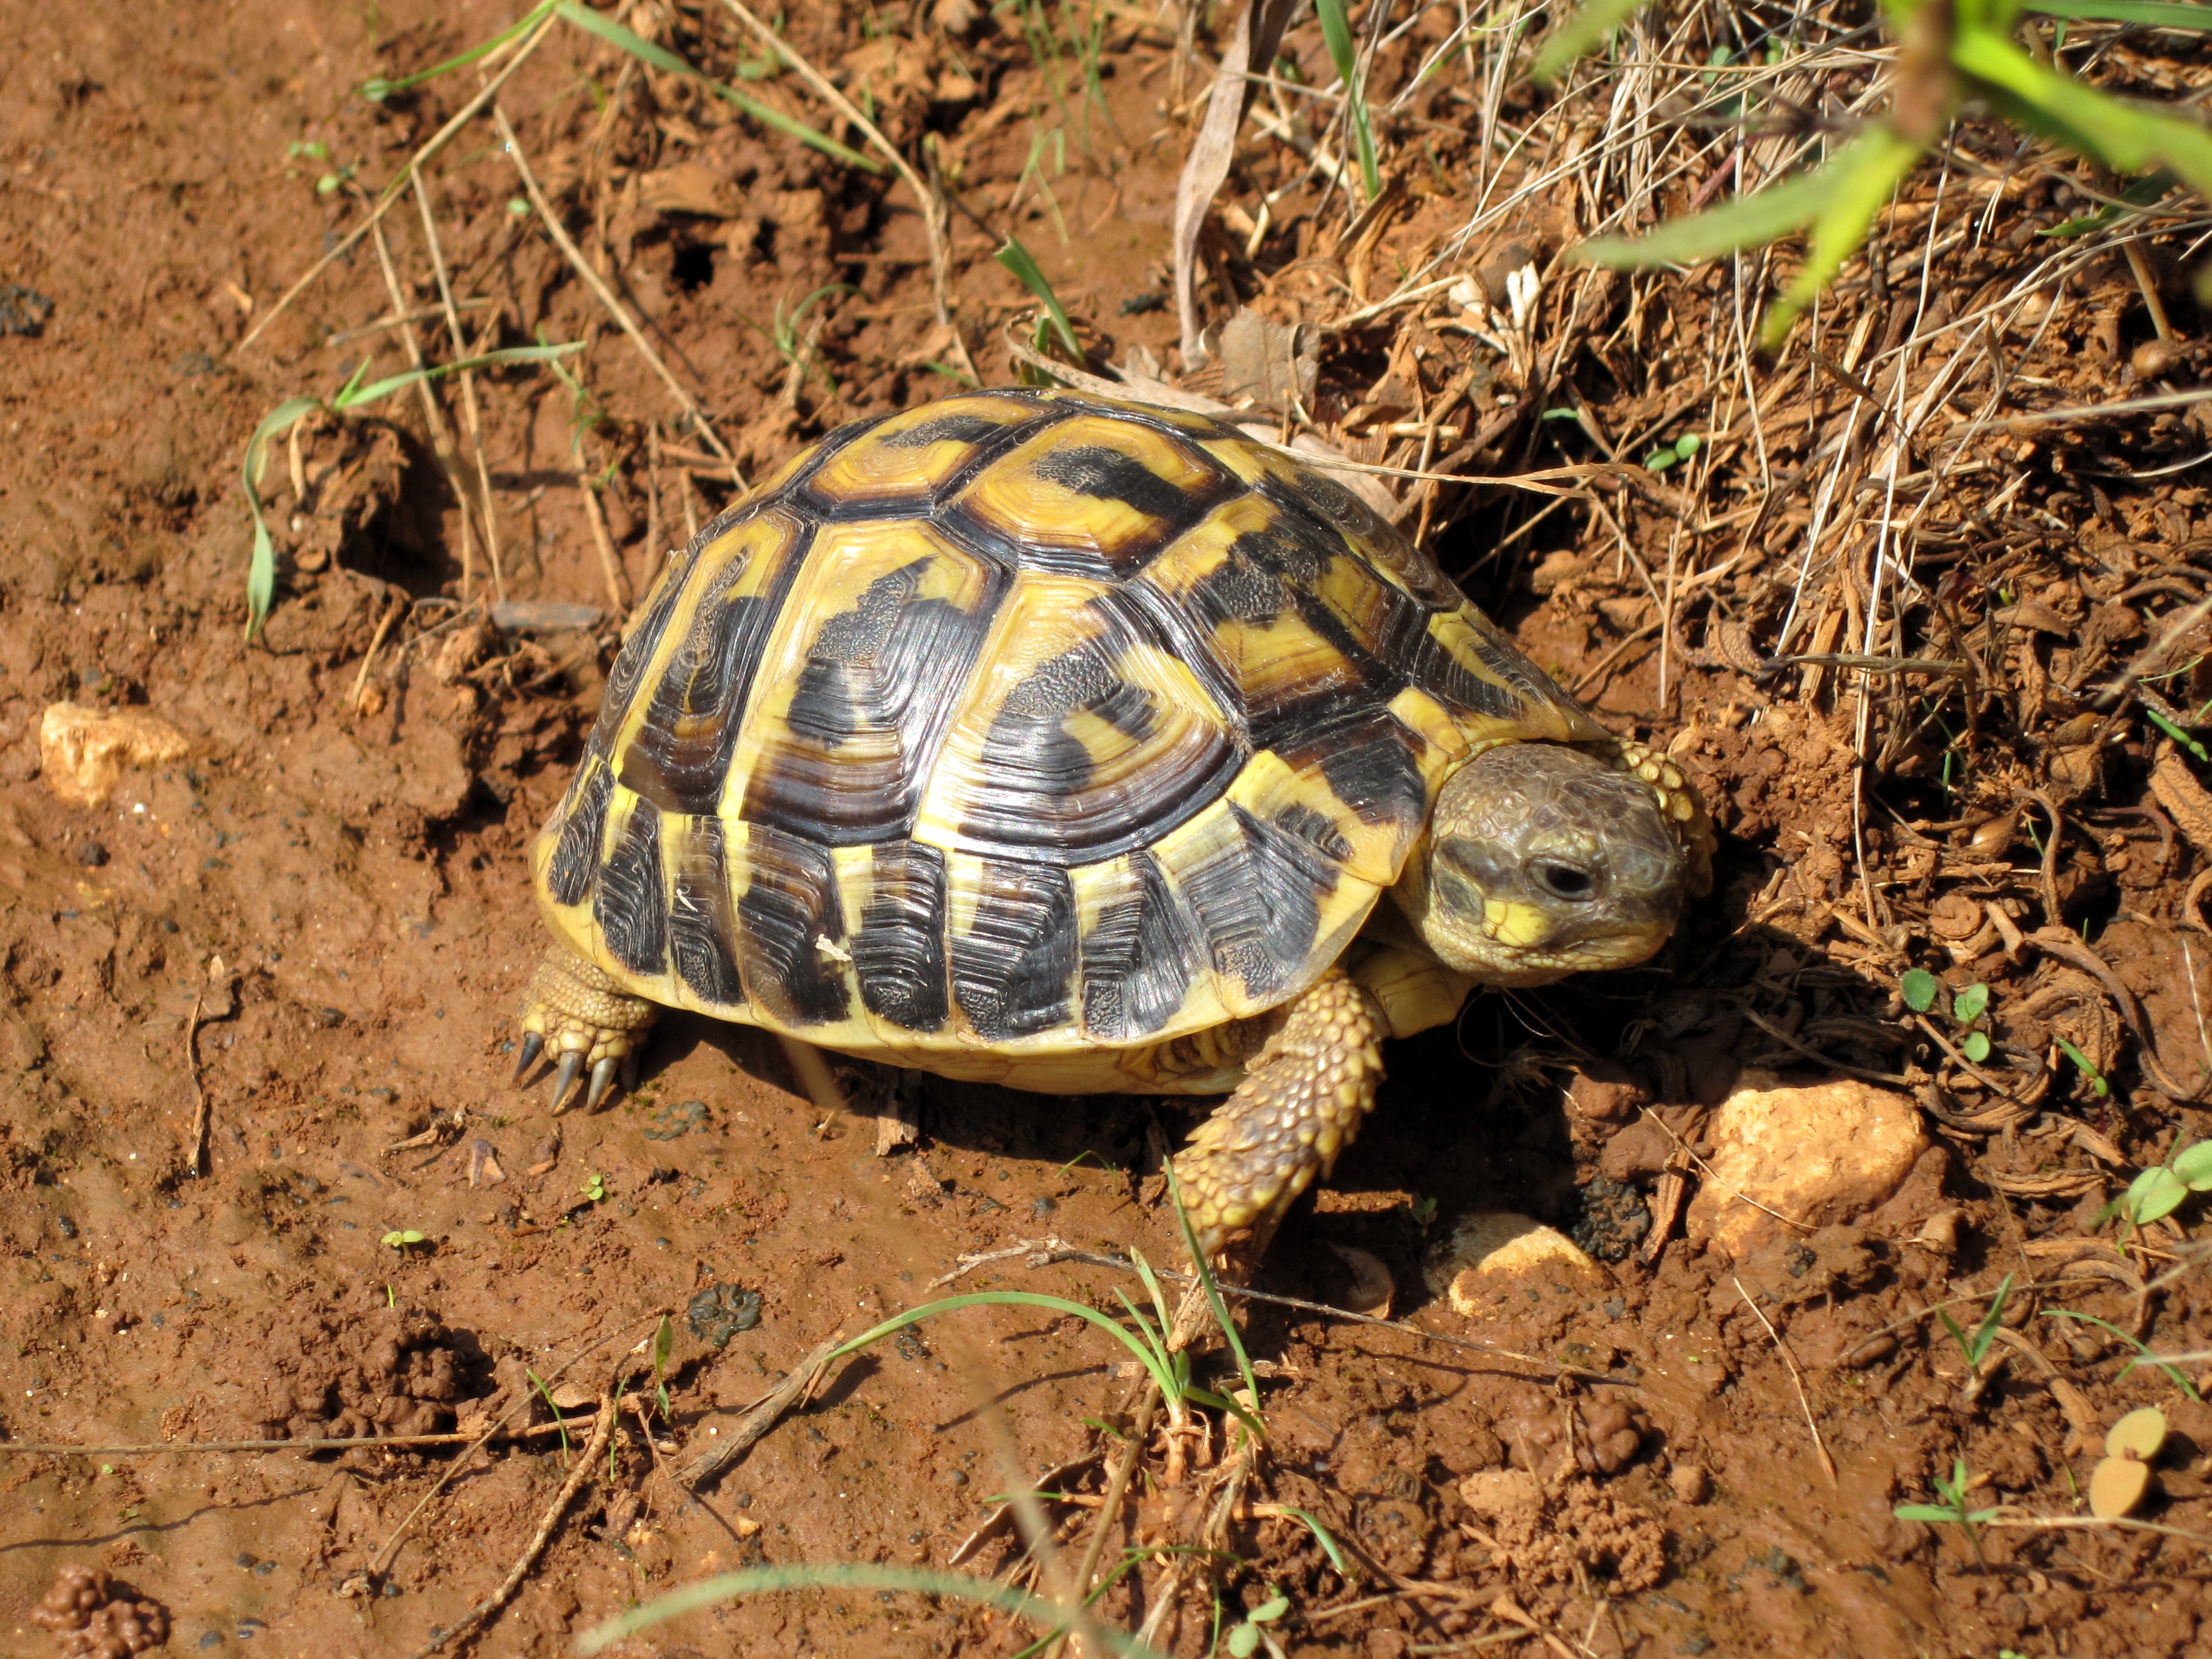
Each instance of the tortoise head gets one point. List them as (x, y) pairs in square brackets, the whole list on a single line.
[(1544, 860)]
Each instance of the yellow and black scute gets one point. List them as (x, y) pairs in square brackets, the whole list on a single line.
[(1020, 728)]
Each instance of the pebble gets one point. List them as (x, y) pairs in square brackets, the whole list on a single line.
[(82, 752), (1499, 1492), (1496, 1244), (1690, 1483), (1819, 1153)]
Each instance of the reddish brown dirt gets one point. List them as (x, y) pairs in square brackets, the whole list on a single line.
[(332, 899)]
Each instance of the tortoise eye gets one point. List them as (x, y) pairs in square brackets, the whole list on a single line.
[(1566, 881)]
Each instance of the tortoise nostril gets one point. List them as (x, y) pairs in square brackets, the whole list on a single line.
[(1566, 881)]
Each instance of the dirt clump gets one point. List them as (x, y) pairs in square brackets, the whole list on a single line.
[(92, 1616), (344, 1376)]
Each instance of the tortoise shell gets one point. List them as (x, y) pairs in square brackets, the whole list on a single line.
[(1023, 723)]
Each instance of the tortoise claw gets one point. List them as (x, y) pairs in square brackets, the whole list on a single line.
[(602, 1074), (572, 1067), (629, 1069), (532, 1046)]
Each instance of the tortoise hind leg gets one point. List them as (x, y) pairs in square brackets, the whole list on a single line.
[(1300, 1104), (576, 1011)]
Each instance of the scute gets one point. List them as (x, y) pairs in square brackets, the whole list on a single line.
[(1022, 724)]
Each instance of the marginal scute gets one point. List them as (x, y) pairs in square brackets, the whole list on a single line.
[(898, 950), (1142, 948), (702, 924), (792, 929), (629, 900), (1013, 947), (583, 822)]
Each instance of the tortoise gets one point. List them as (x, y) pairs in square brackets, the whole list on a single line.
[(1030, 737)]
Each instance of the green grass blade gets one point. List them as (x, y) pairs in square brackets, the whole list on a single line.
[(660, 58), (1150, 1360), (1775, 211), (560, 1422), (645, 51), (1591, 26), (1336, 30), (355, 396), (2158, 13), (261, 568), (858, 1575), (1019, 260), (1986, 1332), (1204, 1269), (376, 88), (1324, 1538), (2144, 1355), (1867, 172)]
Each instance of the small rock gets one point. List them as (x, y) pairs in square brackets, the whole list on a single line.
[(2155, 358), (1497, 1493), (1690, 1483), (1818, 1153), (1371, 1288), (1498, 1244), (83, 752)]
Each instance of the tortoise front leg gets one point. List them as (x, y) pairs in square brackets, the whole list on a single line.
[(1299, 1105), (576, 1010)]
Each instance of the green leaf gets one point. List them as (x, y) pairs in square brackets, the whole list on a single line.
[(2158, 13), (2193, 1166), (2176, 734), (1336, 31), (1660, 459), (356, 395), (2097, 1087), (1918, 988), (1019, 260), (1269, 1611), (2153, 1195), (1927, 1512), (1590, 27), (1688, 445), (1986, 1332), (1869, 170), (645, 51), (1971, 1004), (1775, 211), (261, 568), (664, 1340), (1243, 1642), (1976, 1047), (2125, 136)]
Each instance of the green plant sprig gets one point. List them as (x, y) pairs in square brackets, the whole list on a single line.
[(261, 570), (1951, 1511), (1949, 52)]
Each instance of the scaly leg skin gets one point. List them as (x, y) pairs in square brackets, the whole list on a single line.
[(576, 1011), (1299, 1105)]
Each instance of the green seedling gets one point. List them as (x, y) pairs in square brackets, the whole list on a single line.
[(1919, 990), (1975, 1348), (1423, 1211), (664, 1340), (2144, 1355), (1245, 1636), (1952, 1511), (1020, 261), (595, 1189), (2097, 1087), (352, 397), (405, 1238), (1949, 53), (1674, 454), (560, 1423), (2159, 1191)]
